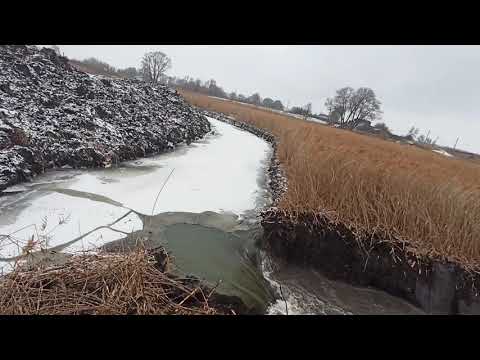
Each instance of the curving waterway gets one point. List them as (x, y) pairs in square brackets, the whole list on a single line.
[(200, 201)]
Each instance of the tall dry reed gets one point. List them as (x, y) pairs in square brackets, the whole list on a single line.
[(374, 186)]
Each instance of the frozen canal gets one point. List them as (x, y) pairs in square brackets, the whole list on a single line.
[(221, 173), (203, 216)]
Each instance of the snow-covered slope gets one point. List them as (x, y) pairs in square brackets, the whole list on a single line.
[(52, 115)]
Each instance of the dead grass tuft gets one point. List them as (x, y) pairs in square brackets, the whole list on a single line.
[(105, 284)]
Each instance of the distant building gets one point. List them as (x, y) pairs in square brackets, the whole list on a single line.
[(363, 125), (323, 117)]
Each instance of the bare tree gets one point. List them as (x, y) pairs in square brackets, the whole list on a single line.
[(154, 66), (255, 99), (427, 140), (413, 132), (350, 106), (129, 73), (381, 126), (267, 102), (277, 104), (307, 110)]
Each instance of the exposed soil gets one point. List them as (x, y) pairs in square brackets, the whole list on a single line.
[(308, 240)]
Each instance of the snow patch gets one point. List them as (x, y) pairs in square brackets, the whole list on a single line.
[(443, 152)]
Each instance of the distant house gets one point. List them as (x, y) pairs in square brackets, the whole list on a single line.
[(363, 125), (323, 117)]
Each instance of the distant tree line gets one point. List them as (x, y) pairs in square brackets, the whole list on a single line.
[(153, 67), (347, 108), (414, 134), (211, 88), (97, 67), (306, 112)]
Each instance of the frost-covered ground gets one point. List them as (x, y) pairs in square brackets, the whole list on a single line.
[(221, 173), (52, 115)]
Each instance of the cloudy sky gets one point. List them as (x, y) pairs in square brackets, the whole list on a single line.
[(434, 88)]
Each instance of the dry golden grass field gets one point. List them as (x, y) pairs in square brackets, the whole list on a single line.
[(399, 192)]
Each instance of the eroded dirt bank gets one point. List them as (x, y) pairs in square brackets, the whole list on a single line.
[(312, 241)]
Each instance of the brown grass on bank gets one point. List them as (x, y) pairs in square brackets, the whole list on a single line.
[(104, 284), (397, 191)]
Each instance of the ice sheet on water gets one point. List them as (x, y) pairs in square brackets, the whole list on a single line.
[(219, 174)]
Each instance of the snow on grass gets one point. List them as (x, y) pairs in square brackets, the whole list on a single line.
[(54, 218), (443, 152)]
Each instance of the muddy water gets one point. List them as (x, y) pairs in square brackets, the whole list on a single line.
[(306, 291), (205, 216), (219, 248)]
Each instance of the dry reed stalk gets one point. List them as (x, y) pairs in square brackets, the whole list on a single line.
[(108, 284), (398, 192)]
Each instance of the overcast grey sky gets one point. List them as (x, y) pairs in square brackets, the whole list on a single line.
[(435, 88)]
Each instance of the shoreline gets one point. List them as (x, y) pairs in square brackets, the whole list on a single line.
[(435, 286), (225, 299), (139, 282)]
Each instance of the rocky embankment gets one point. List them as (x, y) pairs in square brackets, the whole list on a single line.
[(52, 115)]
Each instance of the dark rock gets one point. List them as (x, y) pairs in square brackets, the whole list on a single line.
[(5, 87), (50, 103), (23, 69), (106, 82), (81, 90), (102, 113)]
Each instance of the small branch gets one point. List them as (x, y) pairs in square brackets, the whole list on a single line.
[(283, 298), (164, 183), (188, 297)]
